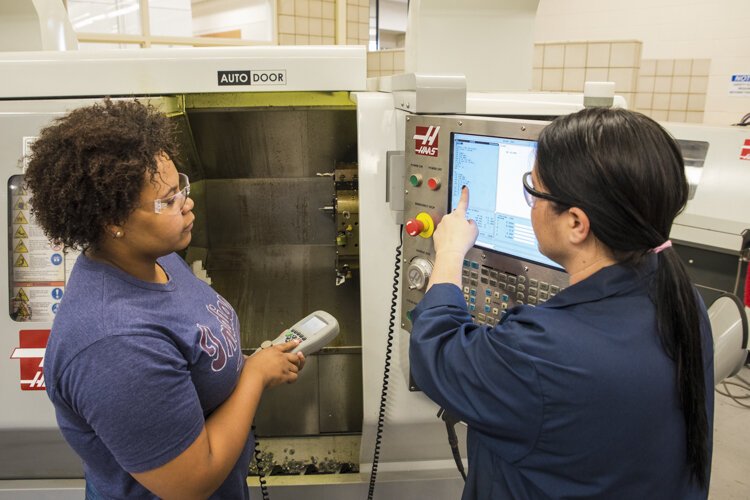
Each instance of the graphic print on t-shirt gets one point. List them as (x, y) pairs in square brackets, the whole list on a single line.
[(212, 344)]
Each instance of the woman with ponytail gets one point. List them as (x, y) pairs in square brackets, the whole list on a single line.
[(606, 390)]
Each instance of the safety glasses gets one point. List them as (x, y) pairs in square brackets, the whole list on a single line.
[(173, 204), (532, 194)]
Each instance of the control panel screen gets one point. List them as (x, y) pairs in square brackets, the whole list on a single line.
[(311, 326), (492, 168)]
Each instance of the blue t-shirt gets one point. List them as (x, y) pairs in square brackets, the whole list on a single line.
[(575, 398), (134, 368)]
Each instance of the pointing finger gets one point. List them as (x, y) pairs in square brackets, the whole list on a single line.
[(463, 202)]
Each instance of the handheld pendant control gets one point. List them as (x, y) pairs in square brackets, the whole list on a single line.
[(314, 331)]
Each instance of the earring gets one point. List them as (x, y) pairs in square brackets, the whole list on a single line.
[(118, 234)]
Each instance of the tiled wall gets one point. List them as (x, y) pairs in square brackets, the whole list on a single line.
[(673, 89), (564, 67), (665, 89), (716, 30), (357, 22), (307, 22), (313, 22), (385, 62)]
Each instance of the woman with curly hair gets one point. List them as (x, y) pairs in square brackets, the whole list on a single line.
[(143, 364)]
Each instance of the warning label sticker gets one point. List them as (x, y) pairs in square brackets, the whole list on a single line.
[(39, 268)]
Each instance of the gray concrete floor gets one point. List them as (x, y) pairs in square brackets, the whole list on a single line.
[(730, 472)]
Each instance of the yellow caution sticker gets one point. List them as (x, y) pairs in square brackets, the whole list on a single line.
[(21, 262), (21, 233), (20, 219), (21, 248), (21, 295)]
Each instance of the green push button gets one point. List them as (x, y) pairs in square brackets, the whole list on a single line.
[(415, 180)]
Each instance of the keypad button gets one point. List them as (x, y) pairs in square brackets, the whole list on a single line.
[(495, 311), (480, 317), (466, 289), (533, 282), (485, 271), (554, 289), (532, 291), (522, 279), (502, 277), (472, 292), (505, 298), (520, 296), (493, 283), (487, 292), (493, 274), (511, 280), (475, 265), (543, 295), (544, 286), (511, 288), (521, 288), (532, 300)]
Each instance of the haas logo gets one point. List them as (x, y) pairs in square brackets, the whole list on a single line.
[(30, 352), (426, 141), (745, 152)]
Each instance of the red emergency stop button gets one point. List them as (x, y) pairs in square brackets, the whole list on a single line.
[(421, 225), (414, 227), (433, 183)]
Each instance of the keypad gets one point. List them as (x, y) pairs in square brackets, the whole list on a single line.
[(501, 291)]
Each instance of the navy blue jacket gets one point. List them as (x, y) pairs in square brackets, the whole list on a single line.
[(575, 398)]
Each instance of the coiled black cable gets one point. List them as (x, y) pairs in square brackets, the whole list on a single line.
[(387, 368), (261, 476)]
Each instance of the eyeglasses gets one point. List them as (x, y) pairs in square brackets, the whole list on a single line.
[(531, 194), (173, 204)]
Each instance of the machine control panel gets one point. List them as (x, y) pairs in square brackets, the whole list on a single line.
[(490, 156), (489, 292)]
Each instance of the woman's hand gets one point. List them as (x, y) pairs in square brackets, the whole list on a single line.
[(276, 364), (455, 234), (453, 237)]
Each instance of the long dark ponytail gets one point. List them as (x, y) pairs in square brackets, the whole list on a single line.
[(627, 173)]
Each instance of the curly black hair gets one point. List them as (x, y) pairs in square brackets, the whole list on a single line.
[(87, 169)]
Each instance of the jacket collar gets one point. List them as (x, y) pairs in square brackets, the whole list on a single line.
[(617, 279)]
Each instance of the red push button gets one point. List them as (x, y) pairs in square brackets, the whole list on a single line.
[(433, 183), (414, 227), (421, 225)]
